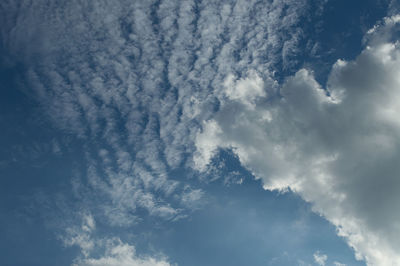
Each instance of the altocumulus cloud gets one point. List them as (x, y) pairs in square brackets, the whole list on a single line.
[(133, 81), (337, 147)]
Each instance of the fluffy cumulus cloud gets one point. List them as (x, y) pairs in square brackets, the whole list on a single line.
[(338, 147)]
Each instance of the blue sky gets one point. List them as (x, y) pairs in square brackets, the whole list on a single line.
[(159, 133)]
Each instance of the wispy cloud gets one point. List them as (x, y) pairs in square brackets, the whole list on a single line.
[(320, 258), (116, 252)]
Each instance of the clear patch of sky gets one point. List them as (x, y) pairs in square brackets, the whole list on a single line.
[(35, 169)]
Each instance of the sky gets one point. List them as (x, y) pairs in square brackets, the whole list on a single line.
[(164, 133)]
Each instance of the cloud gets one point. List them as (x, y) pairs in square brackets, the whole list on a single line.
[(136, 80), (193, 198), (81, 235), (338, 263), (118, 253), (320, 258), (337, 146), (113, 252), (133, 80), (247, 90), (121, 254)]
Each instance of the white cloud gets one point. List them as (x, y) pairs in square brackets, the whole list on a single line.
[(320, 258), (134, 90), (338, 263), (138, 93), (118, 253), (193, 198), (81, 235), (113, 252), (246, 90), (337, 148)]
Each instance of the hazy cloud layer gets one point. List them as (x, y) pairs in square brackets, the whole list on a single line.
[(337, 147)]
